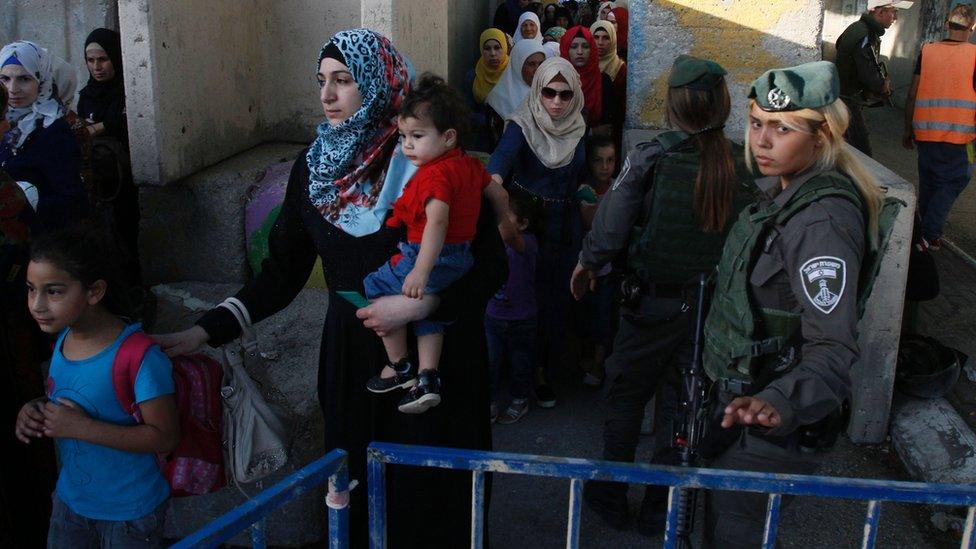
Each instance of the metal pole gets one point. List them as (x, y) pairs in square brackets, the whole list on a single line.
[(376, 479)]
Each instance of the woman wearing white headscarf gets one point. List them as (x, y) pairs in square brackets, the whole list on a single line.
[(529, 28), (542, 150), (514, 84), (40, 147)]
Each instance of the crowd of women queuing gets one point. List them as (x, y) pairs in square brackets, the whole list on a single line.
[(551, 234)]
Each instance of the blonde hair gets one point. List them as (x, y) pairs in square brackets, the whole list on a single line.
[(829, 123)]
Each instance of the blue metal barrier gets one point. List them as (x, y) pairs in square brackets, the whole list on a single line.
[(331, 467), (677, 478)]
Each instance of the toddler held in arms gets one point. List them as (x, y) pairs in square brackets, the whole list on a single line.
[(439, 207)]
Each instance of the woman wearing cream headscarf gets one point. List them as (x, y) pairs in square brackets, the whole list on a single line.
[(605, 36), (542, 152)]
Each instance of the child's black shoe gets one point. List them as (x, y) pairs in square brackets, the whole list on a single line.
[(425, 394), (403, 378)]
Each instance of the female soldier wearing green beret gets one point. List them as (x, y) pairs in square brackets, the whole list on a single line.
[(672, 205), (781, 332)]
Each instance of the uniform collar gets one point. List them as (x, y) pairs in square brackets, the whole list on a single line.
[(771, 187), (874, 27)]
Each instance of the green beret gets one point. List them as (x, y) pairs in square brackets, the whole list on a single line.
[(695, 73), (807, 86)]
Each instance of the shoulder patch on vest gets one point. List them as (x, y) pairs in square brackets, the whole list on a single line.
[(824, 279)]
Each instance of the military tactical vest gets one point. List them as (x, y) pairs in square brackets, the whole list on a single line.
[(669, 247), (745, 346)]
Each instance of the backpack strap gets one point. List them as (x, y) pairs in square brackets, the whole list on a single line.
[(125, 368)]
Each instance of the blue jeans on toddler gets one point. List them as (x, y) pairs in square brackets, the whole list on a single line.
[(453, 263), (515, 341), (944, 171), (69, 529)]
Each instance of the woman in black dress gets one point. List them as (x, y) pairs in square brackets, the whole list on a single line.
[(339, 193)]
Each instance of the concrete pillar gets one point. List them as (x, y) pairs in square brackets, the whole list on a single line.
[(208, 80), (746, 37), (440, 36)]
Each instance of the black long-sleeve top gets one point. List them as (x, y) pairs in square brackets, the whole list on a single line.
[(51, 161), (301, 233)]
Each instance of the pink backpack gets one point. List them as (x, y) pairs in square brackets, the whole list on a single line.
[(197, 465)]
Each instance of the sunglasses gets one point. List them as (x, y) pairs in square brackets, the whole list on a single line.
[(565, 95)]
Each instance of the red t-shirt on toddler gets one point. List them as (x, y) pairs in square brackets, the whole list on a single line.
[(454, 178)]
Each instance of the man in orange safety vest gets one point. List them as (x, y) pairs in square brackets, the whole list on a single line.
[(940, 119)]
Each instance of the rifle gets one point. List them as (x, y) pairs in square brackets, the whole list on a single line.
[(690, 421)]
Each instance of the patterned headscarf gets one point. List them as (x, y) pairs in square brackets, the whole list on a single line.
[(49, 106), (556, 33), (342, 155)]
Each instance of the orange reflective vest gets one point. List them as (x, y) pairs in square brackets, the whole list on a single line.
[(945, 105)]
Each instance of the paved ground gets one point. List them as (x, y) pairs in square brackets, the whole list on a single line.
[(886, 125)]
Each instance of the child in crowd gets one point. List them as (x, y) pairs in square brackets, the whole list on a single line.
[(110, 491), (440, 208), (595, 314), (510, 320)]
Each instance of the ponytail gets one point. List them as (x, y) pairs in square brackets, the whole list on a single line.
[(703, 113)]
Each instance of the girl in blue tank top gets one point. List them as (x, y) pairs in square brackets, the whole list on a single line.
[(110, 491)]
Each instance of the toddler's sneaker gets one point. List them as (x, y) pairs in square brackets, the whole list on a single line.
[(403, 378), (518, 408), (425, 394)]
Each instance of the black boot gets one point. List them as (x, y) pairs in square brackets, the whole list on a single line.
[(609, 501), (653, 512)]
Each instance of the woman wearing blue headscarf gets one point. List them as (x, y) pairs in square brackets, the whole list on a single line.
[(40, 147), (339, 194)]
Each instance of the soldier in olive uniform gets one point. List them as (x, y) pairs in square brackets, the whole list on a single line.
[(672, 205), (781, 333), (864, 80)]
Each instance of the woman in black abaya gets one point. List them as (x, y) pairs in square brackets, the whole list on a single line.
[(339, 193)]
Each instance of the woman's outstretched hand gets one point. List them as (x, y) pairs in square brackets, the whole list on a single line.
[(182, 343), (583, 280), (390, 312), (750, 411)]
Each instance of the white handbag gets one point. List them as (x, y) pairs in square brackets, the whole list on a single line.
[(256, 432)]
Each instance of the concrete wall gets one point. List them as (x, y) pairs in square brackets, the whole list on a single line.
[(746, 37), (291, 38), (207, 80), (61, 26)]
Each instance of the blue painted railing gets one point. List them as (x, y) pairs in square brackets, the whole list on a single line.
[(677, 478), (251, 514)]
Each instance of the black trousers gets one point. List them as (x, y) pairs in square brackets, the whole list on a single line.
[(653, 344), (857, 132), (737, 519)]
